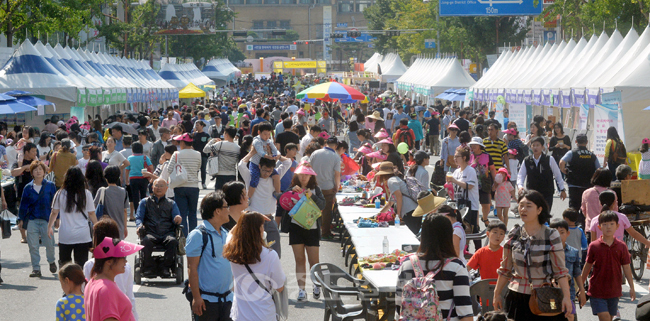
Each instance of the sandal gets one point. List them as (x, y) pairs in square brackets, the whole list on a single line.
[(486, 222)]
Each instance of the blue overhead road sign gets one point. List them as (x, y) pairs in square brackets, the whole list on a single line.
[(429, 44), (490, 7), (363, 38)]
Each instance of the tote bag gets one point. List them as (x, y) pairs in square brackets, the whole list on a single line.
[(213, 163), (178, 176), (305, 212)]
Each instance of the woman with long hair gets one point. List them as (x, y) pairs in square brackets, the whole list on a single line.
[(614, 151), (532, 242), (44, 145), (536, 131), (590, 206), (97, 128), (418, 170), (115, 200), (251, 258), (112, 157), (62, 160), (466, 188), (355, 142), (138, 163), (95, 177), (560, 143), (96, 154), (448, 148), (75, 205), (436, 254)]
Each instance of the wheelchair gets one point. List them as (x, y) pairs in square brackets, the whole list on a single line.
[(178, 270)]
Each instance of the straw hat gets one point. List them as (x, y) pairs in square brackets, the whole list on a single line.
[(428, 204), (375, 115), (386, 168)]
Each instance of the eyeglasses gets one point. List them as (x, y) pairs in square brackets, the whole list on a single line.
[(266, 170)]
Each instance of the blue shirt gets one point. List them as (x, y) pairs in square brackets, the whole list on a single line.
[(119, 146), (70, 307), (285, 181), (37, 205), (257, 121), (142, 207), (215, 274), (572, 260), (136, 165), (279, 128), (397, 117)]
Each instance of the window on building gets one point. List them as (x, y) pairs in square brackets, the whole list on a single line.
[(288, 1), (236, 1), (345, 7), (362, 5), (271, 1), (305, 1), (285, 24), (258, 24), (253, 1), (271, 24), (324, 1)]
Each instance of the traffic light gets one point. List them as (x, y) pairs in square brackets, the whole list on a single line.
[(336, 35), (240, 33), (306, 42), (295, 42), (354, 34), (392, 33)]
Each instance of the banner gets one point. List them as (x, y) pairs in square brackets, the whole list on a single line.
[(583, 117), (615, 98), (498, 113), (605, 116), (79, 112), (518, 116)]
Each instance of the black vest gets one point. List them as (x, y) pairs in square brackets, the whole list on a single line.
[(540, 177), (581, 167), (158, 220)]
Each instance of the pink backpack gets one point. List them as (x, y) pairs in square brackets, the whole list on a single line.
[(420, 300)]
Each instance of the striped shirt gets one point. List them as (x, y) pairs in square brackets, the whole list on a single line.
[(191, 160), (497, 149), (452, 285), (530, 261)]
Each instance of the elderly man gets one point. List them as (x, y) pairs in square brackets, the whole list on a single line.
[(156, 221)]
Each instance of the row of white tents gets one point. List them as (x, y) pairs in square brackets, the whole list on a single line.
[(181, 75), (571, 74), (431, 76), (389, 67), (221, 71)]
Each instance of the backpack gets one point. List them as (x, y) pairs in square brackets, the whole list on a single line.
[(414, 187), (404, 136), (420, 300), (618, 154)]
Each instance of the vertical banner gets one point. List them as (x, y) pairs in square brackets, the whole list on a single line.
[(498, 113), (518, 116), (584, 116), (79, 112), (327, 30), (615, 98), (605, 116)]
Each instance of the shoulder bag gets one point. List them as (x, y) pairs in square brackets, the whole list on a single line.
[(280, 299), (178, 176), (213, 162), (545, 300), (99, 210)]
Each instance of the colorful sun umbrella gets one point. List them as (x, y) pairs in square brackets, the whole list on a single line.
[(331, 91)]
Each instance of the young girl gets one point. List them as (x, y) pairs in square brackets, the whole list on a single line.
[(644, 165), (504, 193), (460, 239), (71, 307)]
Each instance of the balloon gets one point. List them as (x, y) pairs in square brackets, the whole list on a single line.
[(501, 100), (403, 148)]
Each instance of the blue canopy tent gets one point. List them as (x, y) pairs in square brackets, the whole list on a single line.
[(26, 98), (453, 94), (10, 105)]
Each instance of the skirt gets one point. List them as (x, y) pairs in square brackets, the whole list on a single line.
[(516, 305)]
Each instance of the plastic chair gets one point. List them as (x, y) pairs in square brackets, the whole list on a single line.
[(327, 276), (484, 291)]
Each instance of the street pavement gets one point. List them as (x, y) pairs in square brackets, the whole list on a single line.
[(34, 299)]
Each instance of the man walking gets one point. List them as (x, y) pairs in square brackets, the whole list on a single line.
[(327, 165)]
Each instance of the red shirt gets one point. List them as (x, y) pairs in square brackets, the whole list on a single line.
[(487, 262), (605, 282)]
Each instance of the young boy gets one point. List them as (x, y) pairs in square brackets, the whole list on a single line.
[(576, 237), (607, 255), (488, 258), (263, 145), (290, 150), (572, 262)]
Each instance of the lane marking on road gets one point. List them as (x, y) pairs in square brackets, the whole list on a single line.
[(136, 288), (639, 289)]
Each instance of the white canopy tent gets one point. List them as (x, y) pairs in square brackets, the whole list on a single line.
[(180, 75), (392, 67), (449, 73), (221, 71)]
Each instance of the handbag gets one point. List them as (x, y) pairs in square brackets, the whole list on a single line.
[(546, 300), (5, 223), (451, 162), (178, 176), (213, 163), (439, 175), (281, 299)]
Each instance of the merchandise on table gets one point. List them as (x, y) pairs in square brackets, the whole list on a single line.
[(391, 261)]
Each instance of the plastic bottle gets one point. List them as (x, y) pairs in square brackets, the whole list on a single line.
[(397, 221), (377, 202), (383, 200), (385, 244)]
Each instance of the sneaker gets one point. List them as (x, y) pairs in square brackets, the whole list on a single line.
[(204, 187), (53, 267), (316, 292), (15, 228), (302, 295), (35, 274)]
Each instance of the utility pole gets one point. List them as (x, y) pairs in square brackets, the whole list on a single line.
[(438, 32)]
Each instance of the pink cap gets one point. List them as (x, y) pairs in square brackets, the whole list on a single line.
[(184, 137), (381, 134), (305, 168), (301, 112), (377, 155), (453, 126), (512, 151), (325, 135), (511, 131), (644, 141), (110, 247), (505, 173), (385, 141), (365, 149)]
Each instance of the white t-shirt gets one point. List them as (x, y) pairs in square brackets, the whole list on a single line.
[(513, 165), (251, 302), (467, 176), (146, 148), (114, 158), (263, 200), (83, 164), (74, 226), (43, 150)]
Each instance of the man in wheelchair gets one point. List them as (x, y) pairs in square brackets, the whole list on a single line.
[(156, 220)]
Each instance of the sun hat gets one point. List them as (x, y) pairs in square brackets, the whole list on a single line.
[(305, 168), (476, 141), (385, 141), (375, 115), (511, 131), (381, 134), (505, 173), (428, 204), (111, 247), (453, 126), (386, 168), (377, 155), (324, 134), (184, 137), (365, 149), (512, 151)]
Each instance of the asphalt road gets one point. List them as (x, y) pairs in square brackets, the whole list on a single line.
[(27, 298)]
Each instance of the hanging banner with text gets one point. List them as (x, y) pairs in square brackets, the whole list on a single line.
[(605, 116), (583, 117), (615, 98), (518, 116)]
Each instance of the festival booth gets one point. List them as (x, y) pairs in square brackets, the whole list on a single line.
[(191, 91), (419, 84), (180, 75), (79, 82), (391, 68), (221, 71)]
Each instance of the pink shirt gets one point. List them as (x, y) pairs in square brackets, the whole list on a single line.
[(623, 224), (169, 123), (105, 300), (591, 205)]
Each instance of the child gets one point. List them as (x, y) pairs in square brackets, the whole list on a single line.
[(504, 193), (607, 255), (290, 150), (607, 199), (459, 238), (513, 165), (644, 165), (71, 306), (263, 145), (577, 238), (488, 258), (572, 262)]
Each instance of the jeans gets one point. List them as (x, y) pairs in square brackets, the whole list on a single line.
[(187, 199), (204, 165), (138, 188), (214, 311), (80, 253), (223, 179), (149, 241), (38, 229)]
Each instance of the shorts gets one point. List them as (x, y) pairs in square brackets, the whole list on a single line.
[(604, 305), (300, 235), (484, 198)]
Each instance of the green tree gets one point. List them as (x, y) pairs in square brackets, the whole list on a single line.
[(137, 33), (377, 16)]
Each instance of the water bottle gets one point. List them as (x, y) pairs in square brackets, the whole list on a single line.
[(377, 202), (385, 244), (396, 220)]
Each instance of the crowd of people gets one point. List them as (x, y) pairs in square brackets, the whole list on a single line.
[(87, 181)]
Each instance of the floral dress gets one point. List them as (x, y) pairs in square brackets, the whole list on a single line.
[(644, 165)]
